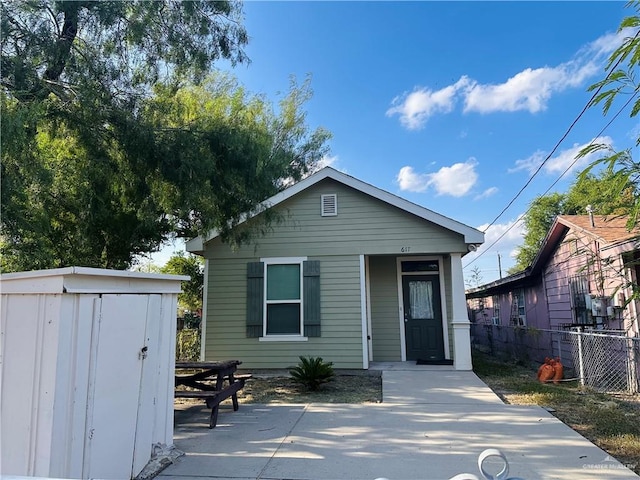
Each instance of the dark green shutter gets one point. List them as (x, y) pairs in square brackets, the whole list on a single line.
[(311, 285), (255, 298)]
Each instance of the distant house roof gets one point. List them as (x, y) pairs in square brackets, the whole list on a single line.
[(607, 228), (610, 230), (471, 235)]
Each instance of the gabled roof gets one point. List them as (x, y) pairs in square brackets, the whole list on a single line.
[(607, 229), (471, 235)]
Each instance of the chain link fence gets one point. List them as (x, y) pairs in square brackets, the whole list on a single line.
[(606, 362)]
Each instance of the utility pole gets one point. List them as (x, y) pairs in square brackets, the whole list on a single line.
[(499, 265)]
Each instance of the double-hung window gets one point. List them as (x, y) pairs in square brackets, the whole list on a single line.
[(283, 300), (518, 308), (496, 310)]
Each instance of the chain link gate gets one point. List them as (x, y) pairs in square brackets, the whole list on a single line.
[(606, 363)]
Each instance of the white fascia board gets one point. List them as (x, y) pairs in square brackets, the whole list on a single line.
[(471, 235), (89, 280), (195, 245)]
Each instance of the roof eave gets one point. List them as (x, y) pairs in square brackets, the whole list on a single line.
[(489, 288), (470, 234)]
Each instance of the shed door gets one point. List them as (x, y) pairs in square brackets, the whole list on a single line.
[(114, 386), (422, 317)]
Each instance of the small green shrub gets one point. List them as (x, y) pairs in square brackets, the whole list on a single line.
[(312, 372), (188, 345)]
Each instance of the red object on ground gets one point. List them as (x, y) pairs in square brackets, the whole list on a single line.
[(546, 371), (558, 371), (546, 361)]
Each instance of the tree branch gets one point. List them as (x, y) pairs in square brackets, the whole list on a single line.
[(63, 44)]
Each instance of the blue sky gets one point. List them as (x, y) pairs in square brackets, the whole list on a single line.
[(451, 105)]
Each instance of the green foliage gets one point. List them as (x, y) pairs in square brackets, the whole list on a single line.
[(475, 278), (188, 345), (84, 49), (618, 85), (223, 151), (610, 184), (312, 372), (190, 300), (539, 217), (601, 191), (102, 162), (110, 147), (69, 198)]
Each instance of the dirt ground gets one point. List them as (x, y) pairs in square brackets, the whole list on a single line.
[(359, 388), (280, 388)]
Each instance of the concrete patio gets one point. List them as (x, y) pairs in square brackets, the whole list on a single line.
[(433, 424)]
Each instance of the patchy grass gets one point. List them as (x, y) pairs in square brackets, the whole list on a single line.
[(612, 422)]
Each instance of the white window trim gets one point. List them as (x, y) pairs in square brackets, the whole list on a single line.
[(522, 318), (283, 338)]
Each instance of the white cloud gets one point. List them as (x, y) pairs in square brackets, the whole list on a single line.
[(530, 164), (410, 181), (487, 193), (416, 107), (511, 232), (512, 237), (607, 43), (456, 180), (528, 90), (327, 161), (565, 160)]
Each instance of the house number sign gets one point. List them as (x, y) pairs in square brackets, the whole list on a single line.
[(405, 249)]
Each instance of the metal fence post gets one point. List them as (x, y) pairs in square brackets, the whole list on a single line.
[(580, 359), (632, 365)]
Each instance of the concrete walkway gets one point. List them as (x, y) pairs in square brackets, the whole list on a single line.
[(432, 425)]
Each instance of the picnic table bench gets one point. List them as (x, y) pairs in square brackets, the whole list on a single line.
[(211, 381)]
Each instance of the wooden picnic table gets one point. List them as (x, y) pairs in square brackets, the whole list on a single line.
[(211, 381)]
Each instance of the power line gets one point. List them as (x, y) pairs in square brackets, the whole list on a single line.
[(584, 109), (555, 181)]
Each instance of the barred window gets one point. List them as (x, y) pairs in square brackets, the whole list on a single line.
[(580, 299)]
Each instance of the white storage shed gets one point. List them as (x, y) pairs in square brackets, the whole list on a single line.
[(87, 377)]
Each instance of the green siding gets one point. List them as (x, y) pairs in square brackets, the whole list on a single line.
[(341, 340), (385, 321), (385, 324), (364, 225)]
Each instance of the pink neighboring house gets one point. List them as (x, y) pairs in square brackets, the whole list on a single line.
[(583, 275)]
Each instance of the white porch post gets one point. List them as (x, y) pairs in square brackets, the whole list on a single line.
[(461, 325), (363, 309), (203, 318)]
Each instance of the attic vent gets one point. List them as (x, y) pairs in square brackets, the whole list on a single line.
[(329, 205)]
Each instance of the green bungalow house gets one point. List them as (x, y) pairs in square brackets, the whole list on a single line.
[(351, 273)]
